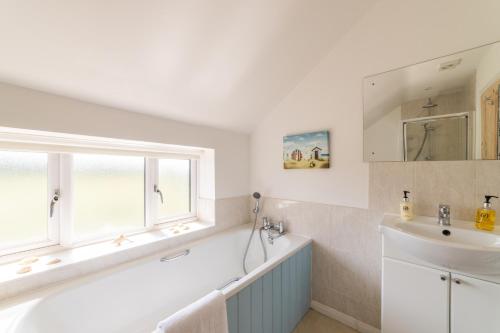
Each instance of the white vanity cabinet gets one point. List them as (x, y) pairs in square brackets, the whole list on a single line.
[(439, 278), (418, 299), (474, 306), (415, 299)]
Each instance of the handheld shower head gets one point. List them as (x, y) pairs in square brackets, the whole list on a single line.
[(256, 196)]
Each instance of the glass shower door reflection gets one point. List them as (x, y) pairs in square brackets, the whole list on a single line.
[(436, 139)]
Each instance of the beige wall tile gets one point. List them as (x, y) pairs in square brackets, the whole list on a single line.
[(388, 180), (346, 253), (355, 257), (274, 208), (302, 218), (230, 212), (487, 182), (342, 303), (462, 184), (345, 277), (369, 315), (322, 266), (445, 182)]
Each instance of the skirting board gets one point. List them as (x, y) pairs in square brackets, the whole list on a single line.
[(343, 318)]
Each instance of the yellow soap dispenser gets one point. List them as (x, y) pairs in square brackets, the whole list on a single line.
[(485, 217)]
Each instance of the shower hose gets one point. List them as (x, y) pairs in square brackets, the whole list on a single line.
[(250, 240)]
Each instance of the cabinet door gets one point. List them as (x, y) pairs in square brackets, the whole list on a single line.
[(475, 305), (415, 299)]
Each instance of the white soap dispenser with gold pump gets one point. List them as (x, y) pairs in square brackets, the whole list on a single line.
[(406, 207)]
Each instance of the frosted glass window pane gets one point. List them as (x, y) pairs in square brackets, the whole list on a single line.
[(108, 194), (175, 184), (23, 198)]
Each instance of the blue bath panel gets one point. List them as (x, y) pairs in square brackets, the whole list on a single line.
[(267, 303), (232, 313), (277, 301), (277, 313)]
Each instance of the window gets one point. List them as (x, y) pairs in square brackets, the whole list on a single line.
[(174, 181), (68, 193), (23, 198), (108, 194)]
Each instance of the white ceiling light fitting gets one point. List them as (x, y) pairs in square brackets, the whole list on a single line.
[(450, 64)]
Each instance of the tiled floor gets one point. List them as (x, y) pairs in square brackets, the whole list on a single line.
[(315, 322)]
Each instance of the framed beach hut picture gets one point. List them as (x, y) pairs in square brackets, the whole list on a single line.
[(306, 151)]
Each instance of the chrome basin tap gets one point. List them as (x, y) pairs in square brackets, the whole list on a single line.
[(444, 215)]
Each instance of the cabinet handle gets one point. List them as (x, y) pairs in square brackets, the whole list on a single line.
[(443, 277), (457, 281)]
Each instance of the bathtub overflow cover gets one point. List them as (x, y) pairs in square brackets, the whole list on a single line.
[(446, 232)]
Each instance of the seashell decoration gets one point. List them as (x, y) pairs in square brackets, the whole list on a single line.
[(24, 270), (53, 261), (121, 239), (28, 261)]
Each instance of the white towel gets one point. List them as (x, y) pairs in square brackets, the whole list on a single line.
[(206, 315)]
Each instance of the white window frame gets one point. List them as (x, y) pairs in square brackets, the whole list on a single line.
[(152, 179), (54, 185), (69, 237), (60, 168), (53, 223)]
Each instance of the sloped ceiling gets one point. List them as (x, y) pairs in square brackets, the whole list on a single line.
[(222, 63)]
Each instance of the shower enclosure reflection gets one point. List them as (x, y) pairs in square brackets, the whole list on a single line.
[(439, 110), (438, 138)]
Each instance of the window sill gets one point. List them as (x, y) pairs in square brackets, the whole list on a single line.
[(93, 257)]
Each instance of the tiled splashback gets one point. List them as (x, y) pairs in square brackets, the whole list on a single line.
[(461, 184), (346, 253), (346, 241)]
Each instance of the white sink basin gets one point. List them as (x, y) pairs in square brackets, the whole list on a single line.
[(459, 247)]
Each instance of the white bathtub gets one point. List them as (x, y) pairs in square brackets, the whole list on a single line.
[(133, 297)]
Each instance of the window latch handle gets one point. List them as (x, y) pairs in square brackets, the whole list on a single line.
[(157, 190), (53, 202)]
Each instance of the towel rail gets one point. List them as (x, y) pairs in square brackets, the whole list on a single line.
[(175, 256), (228, 283)]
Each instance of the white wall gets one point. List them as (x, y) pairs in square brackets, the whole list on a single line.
[(394, 33), (30, 109), (383, 140)]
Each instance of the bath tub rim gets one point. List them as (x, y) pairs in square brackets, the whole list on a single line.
[(21, 304)]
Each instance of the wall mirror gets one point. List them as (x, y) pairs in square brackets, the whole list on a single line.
[(444, 109)]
